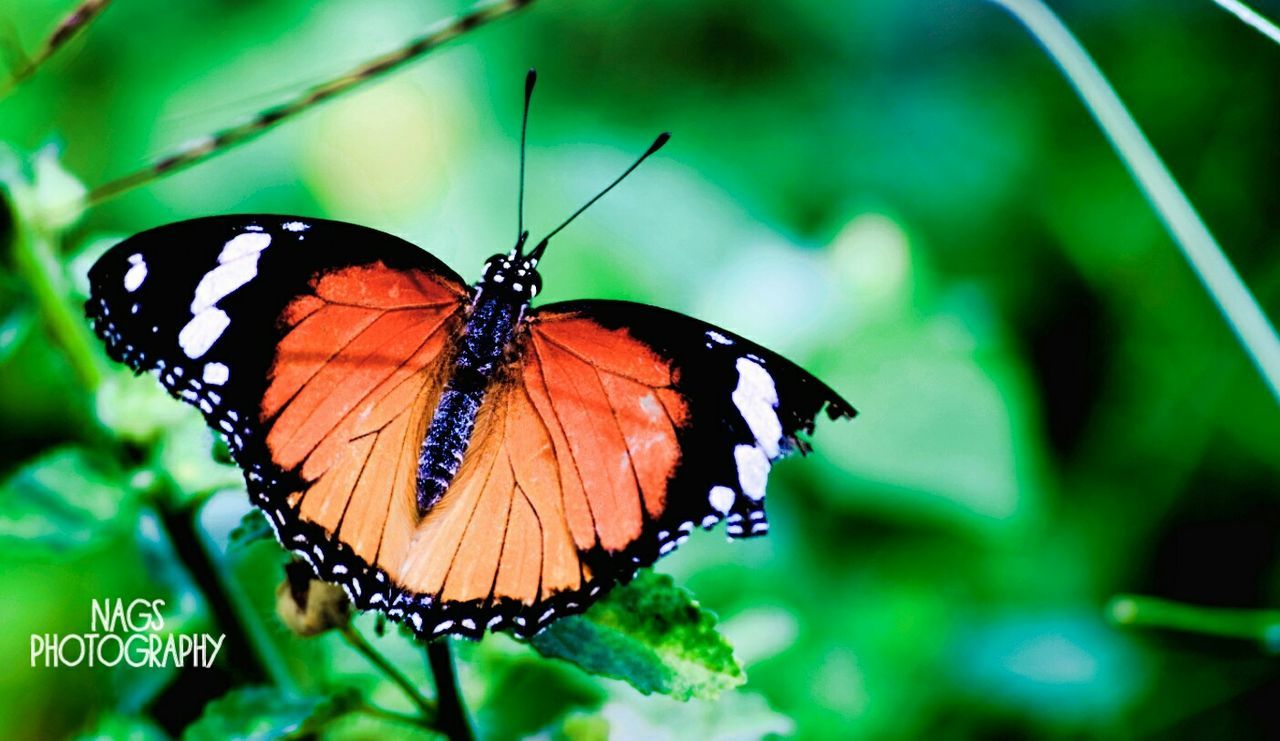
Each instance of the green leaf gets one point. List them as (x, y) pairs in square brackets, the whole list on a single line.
[(14, 328), (41, 189), (116, 727), (67, 498), (653, 635), (58, 196), (252, 528), (736, 715), (138, 409), (187, 452), (266, 713)]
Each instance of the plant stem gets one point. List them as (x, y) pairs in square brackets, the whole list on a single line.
[(1252, 18), (224, 140), (75, 22), (1189, 232), (376, 712), (358, 642), (1262, 626), (452, 720), (38, 265), (241, 649), (265, 649)]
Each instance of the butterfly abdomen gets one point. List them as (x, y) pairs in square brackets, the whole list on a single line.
[(481, 349)]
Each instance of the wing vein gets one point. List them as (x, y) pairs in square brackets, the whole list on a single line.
[(358, 406), (577, 471), (590, 362), (631, 461), (337, 528), (444, 580)]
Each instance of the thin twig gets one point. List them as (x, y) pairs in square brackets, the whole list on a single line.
[(1189, 232), (1262, 626), (1252, 18), (234, 598), (248, 651), (374, 711), (358, 642), (452, 719), (202, 149), (69, 28)]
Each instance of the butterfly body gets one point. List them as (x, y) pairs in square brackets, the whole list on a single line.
[(448, 453), (487, 340)]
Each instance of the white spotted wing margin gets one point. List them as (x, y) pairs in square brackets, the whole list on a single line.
[(749, 407)]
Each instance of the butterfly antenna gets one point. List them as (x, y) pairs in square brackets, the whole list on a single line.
[(529, 81), (662, 139)]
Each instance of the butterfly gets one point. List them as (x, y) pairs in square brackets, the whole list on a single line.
[(448, 454)]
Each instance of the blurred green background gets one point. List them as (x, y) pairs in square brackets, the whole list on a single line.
[(904, 197)]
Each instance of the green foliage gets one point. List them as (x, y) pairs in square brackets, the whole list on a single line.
[(736, 715), (16, 324), (1259, 626), (116, 727), (253, 528), (67, 498), (266, 713), (653, 635), (1052, 412), (186, 452)]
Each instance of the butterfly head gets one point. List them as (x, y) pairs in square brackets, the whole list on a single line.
[(513, 275)]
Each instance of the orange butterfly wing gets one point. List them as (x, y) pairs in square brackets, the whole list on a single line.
[(352, 387), (568, 465), (599, 449)]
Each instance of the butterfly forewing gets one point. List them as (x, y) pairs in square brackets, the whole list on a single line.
[(314, 346)]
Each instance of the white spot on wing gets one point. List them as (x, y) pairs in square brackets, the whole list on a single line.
[(136, 273), (721, 498), (243, 245), (717, 337), (216, 374), (753, 470), (248, 243), (222, 280), (202, 331), (756, 398), (295, 226)]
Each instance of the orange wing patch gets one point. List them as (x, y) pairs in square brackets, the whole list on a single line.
[(609, 403), (571, 454), (500, 532), (351, 391)]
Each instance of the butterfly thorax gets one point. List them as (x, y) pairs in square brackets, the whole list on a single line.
[(493, 319)]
